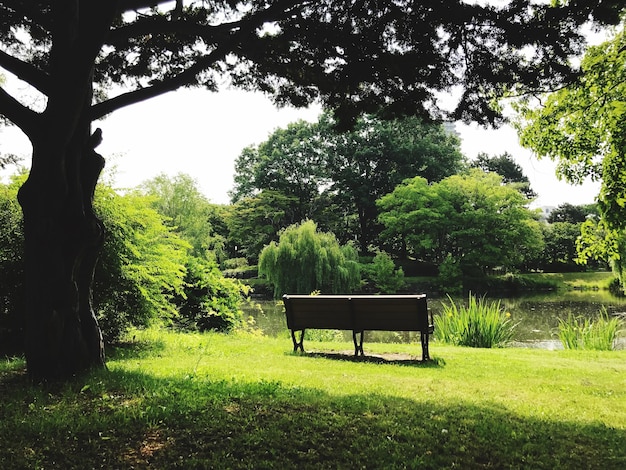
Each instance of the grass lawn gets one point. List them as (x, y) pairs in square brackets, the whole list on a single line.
[(172, 400)]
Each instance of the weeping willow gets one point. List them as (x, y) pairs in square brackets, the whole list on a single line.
[(306, 260)]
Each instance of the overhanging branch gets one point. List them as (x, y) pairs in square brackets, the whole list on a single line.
[(24, 71), (23, 117), (158, 88)]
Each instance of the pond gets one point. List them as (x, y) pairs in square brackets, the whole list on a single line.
[(536, 316)]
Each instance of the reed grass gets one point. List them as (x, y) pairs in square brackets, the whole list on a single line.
[(480, 324), (599, 334)]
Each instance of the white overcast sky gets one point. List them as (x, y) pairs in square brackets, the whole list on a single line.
[(202, 133)]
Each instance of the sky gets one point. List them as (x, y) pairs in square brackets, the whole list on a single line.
[(202, 133)]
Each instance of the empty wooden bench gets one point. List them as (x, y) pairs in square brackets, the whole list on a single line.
[(358, 313)]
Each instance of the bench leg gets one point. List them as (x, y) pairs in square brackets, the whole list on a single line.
[(358, 345), (425, 353), (297, 344)]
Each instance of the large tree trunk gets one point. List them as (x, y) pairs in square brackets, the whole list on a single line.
[(62, 234), (62, 241)]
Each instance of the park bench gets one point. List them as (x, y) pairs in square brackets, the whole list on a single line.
[(358, 313)]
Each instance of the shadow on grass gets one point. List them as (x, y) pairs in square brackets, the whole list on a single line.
[(373, 358), (122, 419), (134, 349)]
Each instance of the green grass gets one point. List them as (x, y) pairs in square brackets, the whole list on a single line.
[(587, 280), (174, 400)]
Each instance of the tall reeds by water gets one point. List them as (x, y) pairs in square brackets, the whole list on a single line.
[(583, 333), (479, 324)]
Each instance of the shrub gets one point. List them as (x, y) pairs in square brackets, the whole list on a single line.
[(450, 275), (599, 335), (481, 324), (210, 301), (383, 273)]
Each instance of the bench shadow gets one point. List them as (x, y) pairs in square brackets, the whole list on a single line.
[(374, 358)]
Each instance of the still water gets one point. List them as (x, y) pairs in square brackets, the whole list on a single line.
[(536, 315)]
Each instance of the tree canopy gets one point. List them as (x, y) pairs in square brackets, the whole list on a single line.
[(335, 177), (583, 126), (472, 219), (507, 168), (306, 260)]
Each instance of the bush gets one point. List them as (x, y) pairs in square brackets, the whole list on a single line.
[(599, 335), (481, 324), (383, 273), (450, 275), (210, 301)]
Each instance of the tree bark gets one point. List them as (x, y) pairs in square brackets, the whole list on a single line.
[(63, 238), (62, 235)]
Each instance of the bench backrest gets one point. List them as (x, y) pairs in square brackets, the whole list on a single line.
[(319, 311), (357, 312)]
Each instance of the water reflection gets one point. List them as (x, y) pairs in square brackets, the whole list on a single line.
[(536, 314)]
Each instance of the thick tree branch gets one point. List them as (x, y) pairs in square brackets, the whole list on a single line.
[(24, 71), (158, 88), (23, 117)]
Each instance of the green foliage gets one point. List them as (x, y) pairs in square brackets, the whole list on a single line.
[(581, 126), (305, 260), (583, 333), (447, 219), (383, 273), (254, 221), (508, 169), (572, 214), (480, 324), (141, 267), (599, 241), (187, 211), (207, 300), (313, 171), (11, 268), (210, 301)]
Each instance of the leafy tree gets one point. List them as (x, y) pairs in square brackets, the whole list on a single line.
[(305, 260), (210, 301), (473, 219), (599, 240), (11, 267), (378, 57), (335, 177), (371, 160), (207, 301), (559, 253), (505, 166), (290, 162), (255, 221), (187, 211), (572, 214), (383, 273), (582, 127)]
